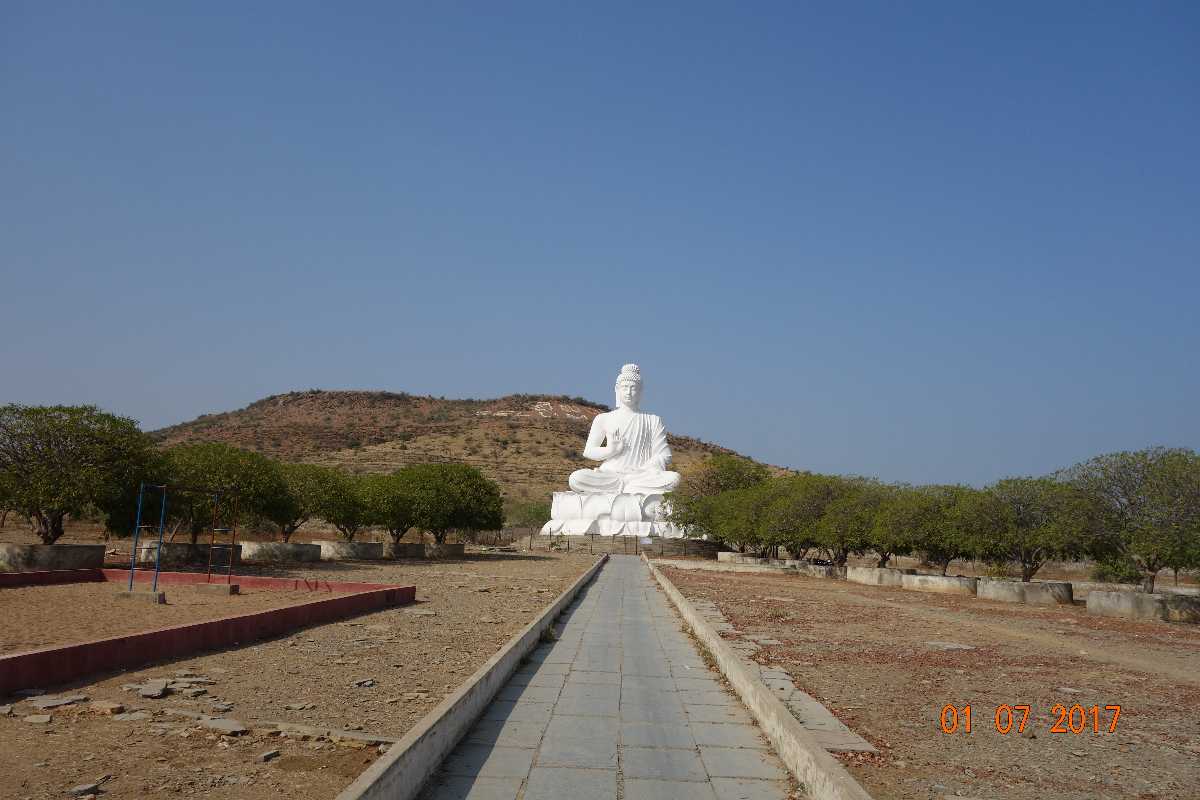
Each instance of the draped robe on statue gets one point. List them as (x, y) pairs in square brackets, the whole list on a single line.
[(638, 469)]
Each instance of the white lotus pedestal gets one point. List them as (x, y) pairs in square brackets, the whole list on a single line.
[(609, 514)]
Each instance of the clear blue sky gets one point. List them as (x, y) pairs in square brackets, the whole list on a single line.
[(927, 242)]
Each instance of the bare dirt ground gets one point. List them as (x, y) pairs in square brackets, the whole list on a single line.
[(885, 662), (414, 655), (41, 616)]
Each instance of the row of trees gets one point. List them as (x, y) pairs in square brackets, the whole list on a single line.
[(1133, 512), (71, 461)]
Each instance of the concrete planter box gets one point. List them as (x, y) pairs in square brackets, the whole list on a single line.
[(1182, 608), (875, 576), (727, 555), (180, 554), (939, 584), (39, 557), (403, 550), (819, 571), (1130, 605), (445, 550), (280, 552), (1034, 593), (350, 551)]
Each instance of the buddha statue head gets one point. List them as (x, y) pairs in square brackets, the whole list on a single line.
[(629, 387)]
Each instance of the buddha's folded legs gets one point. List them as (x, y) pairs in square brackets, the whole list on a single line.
[(656, 482), (591, 481)]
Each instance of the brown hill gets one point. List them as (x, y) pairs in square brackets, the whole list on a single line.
[(529, 444)]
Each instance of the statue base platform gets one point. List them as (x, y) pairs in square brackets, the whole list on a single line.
[(609, 514)]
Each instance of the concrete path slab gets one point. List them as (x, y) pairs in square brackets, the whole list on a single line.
[(621, 705)]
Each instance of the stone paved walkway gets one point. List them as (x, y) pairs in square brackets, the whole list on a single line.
[(620, 706)]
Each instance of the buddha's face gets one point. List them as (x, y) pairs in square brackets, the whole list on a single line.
[(629, 394)]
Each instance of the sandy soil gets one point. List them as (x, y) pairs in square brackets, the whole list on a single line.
[(415, 655), (877, 658), (40, 616)]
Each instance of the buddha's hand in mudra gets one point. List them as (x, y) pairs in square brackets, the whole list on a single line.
[(615, 444)]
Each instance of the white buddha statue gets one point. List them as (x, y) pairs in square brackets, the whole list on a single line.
[(634, 460)]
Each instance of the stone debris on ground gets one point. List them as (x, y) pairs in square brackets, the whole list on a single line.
[(107, 707), (56, 701), (226, 727), (39, 719)]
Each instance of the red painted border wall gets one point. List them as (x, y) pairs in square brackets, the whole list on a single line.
[(49, 577), (55, 665)]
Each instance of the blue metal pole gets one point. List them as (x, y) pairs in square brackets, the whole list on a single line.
[(162, 521), (137, 529)]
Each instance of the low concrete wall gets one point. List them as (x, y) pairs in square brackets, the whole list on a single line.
[(350, 551), (1049, 593), (939, 584), (823, 776), (401, 773), (1182, 608), (445, 550), (1130, 605), (39, 557), (1034, 593), (279, 551), (875, 576), (182, 553), (1000, 590), (403, 550)]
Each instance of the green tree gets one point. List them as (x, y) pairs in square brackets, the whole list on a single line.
[(343, 503), (846, 524), (691, 505), (389, 500), (892, 530), (57, 461), (454, 497), (796, 504), (305, 486), (736, 517), (964, 517), (1038, 519), (526, 514), (1149, 501), (211, 477), (924, 519)]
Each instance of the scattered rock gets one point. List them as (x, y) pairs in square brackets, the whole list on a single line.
[(223, 708), (267, 756), (420, 612), (1068, 690), (226, 727), (131, 716), (153, 689), (83, 789), (365, 683), (949, 646), (107, 707), (300, 706), (195, 692), (6, 711), (39, 719), (60, 700)]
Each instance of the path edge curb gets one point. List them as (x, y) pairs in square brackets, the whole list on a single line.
[(823, 776), (402, 772)]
